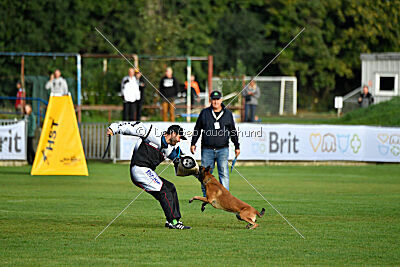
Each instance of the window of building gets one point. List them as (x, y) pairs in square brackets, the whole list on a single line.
[(386, 84)]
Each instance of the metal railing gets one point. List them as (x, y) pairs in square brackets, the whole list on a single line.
[(39, 100), (94, 140)]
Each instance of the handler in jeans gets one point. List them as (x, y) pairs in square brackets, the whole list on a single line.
[(216, 125)]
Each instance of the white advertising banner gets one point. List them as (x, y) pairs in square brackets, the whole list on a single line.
[(299, 142), (13, 141)]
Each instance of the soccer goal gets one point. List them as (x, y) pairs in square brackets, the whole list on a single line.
[(278, 94)]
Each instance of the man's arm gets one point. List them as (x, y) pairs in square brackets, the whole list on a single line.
[(245, 91), (142, 83), (257, 92), (64, 87), (197, 129), (175, 153), (176, 86), (49, 85), (233, 133), (128, 128)]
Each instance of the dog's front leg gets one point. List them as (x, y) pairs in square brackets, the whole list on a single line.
[(204, 199), (203, 206)]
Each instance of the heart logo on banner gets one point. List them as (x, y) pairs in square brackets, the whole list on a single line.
[(383, 137), (383, 149), (395, 139), (315, 141)]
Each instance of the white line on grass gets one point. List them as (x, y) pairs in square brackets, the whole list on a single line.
[(294, 38), (133, 200), (269, 203), (132, 65)]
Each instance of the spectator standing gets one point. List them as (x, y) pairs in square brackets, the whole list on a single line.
[(194, 86), (131, 95), (169, 88), (57, 85), (216, 125), (251, 94), (20, 102), (365, 99), (31, 124), (142, 86)]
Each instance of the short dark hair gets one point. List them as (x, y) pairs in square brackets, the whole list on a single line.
[(176, 129)]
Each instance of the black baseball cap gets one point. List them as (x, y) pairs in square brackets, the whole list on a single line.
[(216, 95), (176, 129)]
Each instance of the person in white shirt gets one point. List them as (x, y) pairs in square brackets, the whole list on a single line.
[(57, 84), (131, 95)]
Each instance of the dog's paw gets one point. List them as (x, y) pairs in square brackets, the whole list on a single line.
[(191, 200), (203, 207)]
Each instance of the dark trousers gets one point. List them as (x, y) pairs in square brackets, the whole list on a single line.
[(130, 111), (168, 199), (249, 112), (139, 109), (30, 152)]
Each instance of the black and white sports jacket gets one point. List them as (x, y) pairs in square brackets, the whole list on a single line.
[(151, 149)]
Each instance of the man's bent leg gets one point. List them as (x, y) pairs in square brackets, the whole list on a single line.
[(223, 168), (171, 197), (207, 160)]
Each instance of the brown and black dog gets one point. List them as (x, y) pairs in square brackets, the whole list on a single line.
[(220, 198)]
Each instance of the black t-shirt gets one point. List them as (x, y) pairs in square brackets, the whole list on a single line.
[(217, 113)]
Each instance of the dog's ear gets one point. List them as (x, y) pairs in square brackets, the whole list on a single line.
[(207, 169)]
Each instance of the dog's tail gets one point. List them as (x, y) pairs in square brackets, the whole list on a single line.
[(260, 214)]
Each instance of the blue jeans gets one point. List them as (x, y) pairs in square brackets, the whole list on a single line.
[(249, 112), (208, 158)]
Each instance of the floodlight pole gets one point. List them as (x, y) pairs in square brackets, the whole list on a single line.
[(189, 90), (78, 85), (210, 75), (23, 72)]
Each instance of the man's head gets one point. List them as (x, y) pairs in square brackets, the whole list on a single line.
[(216, 99), (138, 74), (131, 72), (168, 72), (27, 109), (365, 89), (174, 134), (192, 78), (57, 73), (19, 85)]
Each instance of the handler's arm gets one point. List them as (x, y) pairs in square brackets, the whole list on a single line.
[(197, 129), (128, 128), (233, 133)]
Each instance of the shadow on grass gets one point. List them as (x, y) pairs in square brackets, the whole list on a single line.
[(26, 173)]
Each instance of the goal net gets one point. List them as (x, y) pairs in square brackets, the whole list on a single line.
[(278, 95)]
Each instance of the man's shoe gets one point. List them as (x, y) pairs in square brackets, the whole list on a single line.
[(179, 226)]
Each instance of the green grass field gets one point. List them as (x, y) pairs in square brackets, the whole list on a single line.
[(348, 214)]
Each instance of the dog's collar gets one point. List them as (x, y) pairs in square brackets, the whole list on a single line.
[(206, 182)]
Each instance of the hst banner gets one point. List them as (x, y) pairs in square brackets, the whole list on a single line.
[(298, 142), (60, 150), (13, 141)]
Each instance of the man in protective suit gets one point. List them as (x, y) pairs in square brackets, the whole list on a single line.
[(149, 152)]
